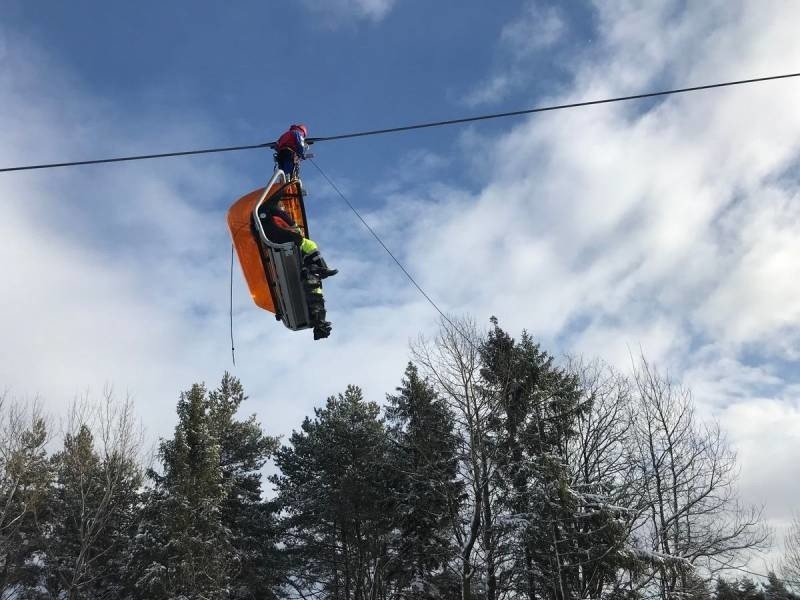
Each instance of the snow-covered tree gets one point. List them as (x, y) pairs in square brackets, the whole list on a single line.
[(244, 449), (25, 478), (335, 493), (775, 589), (791, 554), (452, 362), (93, 502), (691, 515), (428, 493), (556, 460), (182, 547)]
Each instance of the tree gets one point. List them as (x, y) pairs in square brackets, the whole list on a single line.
[(559, 468), (334, 490), (423, 454), (452, 361), (604, 484), (244, 449), (775, 589), (93, 501), (25, 477), (182, 546), (791, 555), (726, 590), (691, 514)]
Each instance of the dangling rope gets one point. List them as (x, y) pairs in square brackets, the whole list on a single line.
[(394, 258), (233, 354)]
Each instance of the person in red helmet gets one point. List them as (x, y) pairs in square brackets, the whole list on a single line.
[(290, 149)]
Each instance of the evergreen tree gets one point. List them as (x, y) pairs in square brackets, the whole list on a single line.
[(91, 518), (428, 493), (564, 541), (334, 488), (26, 479), (775, 589), (243, 451), (183, 547), (747, 589), (726, 590)]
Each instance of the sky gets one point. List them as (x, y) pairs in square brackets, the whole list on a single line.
[(667, 227)]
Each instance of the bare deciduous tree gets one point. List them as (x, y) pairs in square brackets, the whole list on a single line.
[(452, 361), (692, 514), (604, 481), (791, 553)]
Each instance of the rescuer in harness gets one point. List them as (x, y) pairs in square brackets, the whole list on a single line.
[(282, 229), (290, 149)]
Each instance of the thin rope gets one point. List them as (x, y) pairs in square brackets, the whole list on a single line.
[(529, 111), (390, 253), (312, 140), (455, 327), (233, 354)]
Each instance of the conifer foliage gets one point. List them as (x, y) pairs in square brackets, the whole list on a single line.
[(334, 490), (423, 458), (204, 532), (493, 471)]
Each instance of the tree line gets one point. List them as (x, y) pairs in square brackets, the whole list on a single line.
[(493, 471)]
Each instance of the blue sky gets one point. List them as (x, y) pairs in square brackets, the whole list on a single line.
[(669, 226), (252, 69)]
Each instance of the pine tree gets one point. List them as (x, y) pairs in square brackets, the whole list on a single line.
[(748, 589), (564, 541), (726, 590), (775, 589), (182, 546), (244, 449), (334, 489), (423, 454), (91, 518)]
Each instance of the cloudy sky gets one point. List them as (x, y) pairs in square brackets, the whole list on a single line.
[(669, 226)]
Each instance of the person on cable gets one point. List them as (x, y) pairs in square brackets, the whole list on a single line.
[(290, 149), (283, 228)]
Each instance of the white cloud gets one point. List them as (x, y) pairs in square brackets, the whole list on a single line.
[(339, 11), (536, 28), (119, 274), (767, 434), (490, 91), (670, 226), (521, 42)]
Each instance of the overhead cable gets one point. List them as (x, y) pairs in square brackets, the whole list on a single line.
[(529, 111), (312, 140), (137, 157)]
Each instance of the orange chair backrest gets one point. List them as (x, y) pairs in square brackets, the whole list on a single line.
[(247, 246)]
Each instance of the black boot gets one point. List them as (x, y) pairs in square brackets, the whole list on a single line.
[(322, 330), (317, 265), (316, 312)]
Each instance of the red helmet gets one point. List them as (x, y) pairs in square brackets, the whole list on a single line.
[(302, 128)]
